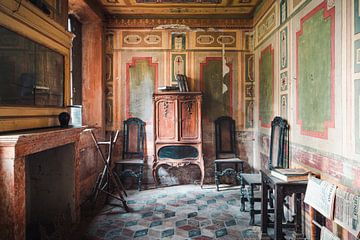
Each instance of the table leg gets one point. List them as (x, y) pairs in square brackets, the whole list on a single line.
[(251, 201), (298, 230), (279, 212), (264, 210)]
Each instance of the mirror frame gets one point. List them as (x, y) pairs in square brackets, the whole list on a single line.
[(31, 23)]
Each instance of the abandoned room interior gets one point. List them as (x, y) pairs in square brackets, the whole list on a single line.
[(179, 119)]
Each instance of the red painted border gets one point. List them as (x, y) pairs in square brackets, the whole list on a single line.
[(327, 124), (127, 83), (202, 82), (268, 48)]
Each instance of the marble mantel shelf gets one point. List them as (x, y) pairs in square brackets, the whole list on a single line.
[(14, 149), (20, 144)]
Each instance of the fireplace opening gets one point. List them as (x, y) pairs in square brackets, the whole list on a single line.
[(50, 191)]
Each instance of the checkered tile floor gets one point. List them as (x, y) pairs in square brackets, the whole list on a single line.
[(178, 212)]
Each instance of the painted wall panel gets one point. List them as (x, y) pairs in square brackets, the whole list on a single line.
[(141, 77), (315, 72), (266, 86)]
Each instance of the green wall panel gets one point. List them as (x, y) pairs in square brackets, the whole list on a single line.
[(314, 73), (142, 79), (215, 102), (356, 17), (266, 86)]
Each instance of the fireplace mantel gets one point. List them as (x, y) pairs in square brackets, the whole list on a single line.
[(14, 148)]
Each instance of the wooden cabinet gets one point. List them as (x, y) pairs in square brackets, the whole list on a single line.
[(177, 131)]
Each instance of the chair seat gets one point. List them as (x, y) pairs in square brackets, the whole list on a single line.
[(229, 160), (131, 161)]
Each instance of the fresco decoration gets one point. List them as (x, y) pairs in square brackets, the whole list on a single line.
[(249, 68), (216, 101), (180, 1), (109, 112), (109, 46), (356, 16), (296, 4), (249, 41), (266, 86), (283, 81), (284, 105), (357, 115), (191, 22), (178, 41), (215, 39), (178, 65), (357, 56), (141, 39), (141, 80), (315, 108), (249, 111), (266, 25), (284, 48), (283, 11), (249, 90)]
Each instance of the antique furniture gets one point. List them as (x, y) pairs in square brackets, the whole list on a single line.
[(279, 131), (107, 176), (281, 190), (225, 150), (177, 131), (132, 162)]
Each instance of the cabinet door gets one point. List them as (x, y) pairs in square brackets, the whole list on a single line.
[(166, 117), (190, 119)]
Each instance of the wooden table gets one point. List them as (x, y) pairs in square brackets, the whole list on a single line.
[(252, 180), (281, 189)]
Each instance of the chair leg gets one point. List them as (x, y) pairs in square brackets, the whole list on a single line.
[(251, 201), (242, 197), (217, 179), (139, 177)]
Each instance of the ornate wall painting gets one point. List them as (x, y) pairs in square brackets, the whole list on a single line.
[(357, 115), (178, 41), (249, 68), (211, 40), (266, 25), (284, 105), (249, 41), (109, 46), (356, 16), (178, 65), (315, 90), (141, 80), (216, 102), (283, 81), (249, 90), (249, 112), (142, 39), (266, 86), (284, 48), (357, 56), (283, 11), (296, 4)]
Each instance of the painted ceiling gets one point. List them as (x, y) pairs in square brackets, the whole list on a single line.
[(181, 8)]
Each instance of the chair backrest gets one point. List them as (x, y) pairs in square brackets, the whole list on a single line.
[(225, 137), (134, 136), (279, 133)]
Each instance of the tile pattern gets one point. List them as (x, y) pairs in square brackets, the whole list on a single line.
[(179, 212)]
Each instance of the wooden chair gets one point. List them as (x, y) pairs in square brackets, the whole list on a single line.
[(226, 150), (279, 132), (132, 162)]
